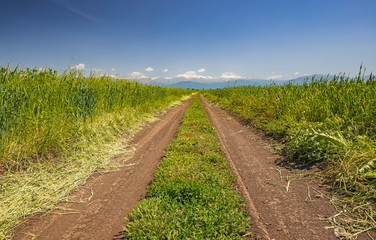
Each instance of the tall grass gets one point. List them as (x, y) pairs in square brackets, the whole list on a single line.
[(57, 129), (42, 112), (329, 121)]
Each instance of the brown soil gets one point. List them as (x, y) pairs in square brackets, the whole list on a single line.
[(114, 194), (275, 212)]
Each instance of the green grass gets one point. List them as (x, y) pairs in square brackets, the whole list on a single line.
[(191, 196), (42, 113), (320, 121), (57, 129)]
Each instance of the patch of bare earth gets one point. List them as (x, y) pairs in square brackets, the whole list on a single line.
[(112, 195), (281, 204)]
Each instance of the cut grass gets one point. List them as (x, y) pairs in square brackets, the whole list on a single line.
[(57, 129), (192, 194), (40, 188), (327, 121), (42, 113)]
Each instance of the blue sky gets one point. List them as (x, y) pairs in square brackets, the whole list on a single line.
[(199, 40)]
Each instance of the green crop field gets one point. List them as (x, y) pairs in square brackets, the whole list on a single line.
[(331, 123), (43, 113), (57, 128)]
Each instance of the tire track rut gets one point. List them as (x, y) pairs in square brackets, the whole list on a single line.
[(114, 194), (277, 211)]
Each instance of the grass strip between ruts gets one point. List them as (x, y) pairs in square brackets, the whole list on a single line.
[(192, 194)]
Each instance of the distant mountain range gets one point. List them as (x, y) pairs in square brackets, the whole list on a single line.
[(240, 82)]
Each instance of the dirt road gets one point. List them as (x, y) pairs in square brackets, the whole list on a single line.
[(113, 194), (276, 213), (281, 207)]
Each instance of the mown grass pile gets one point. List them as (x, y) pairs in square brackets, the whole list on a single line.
[(191, 196), (329, 121), (56, 129)]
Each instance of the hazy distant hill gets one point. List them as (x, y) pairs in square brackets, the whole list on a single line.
[(241, 82), (303, 79), (232, 83)]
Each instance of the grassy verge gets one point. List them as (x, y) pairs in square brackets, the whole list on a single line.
[(57, 129), (43, 113), (192, 194), (331, 122)]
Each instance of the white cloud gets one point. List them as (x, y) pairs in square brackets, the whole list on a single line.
[(230, 75), (189, 74), (138, 75), (193, 75), (296, 73), (165, 70), (149, 69), (274, 77), (113, 69), (79, 67), (114, 76)]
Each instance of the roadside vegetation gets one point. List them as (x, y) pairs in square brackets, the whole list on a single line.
[(331, 123), (56, 129), (191, 196)]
